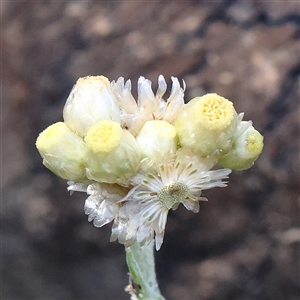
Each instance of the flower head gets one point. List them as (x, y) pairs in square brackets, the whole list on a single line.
[(113, 153), (179, 180), (148, 106), (90, 101), (207, 124), (246, 148), (63, 151)]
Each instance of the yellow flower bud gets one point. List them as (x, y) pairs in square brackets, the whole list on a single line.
[(207, 124), (156, 139), (246, 149), (113, 155), (62, 151), (90, 101)]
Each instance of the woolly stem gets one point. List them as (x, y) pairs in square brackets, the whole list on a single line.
[(141, 265)]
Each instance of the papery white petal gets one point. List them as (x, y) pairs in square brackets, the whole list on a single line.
[(191, 205), (162, 87), (105, 213), (144, 234), (242, 126), (159, 238), (91, 204), (119, 230), (102, 205), (100, 211), (147, 102), (122, 92), (170, 109), (77, 187)]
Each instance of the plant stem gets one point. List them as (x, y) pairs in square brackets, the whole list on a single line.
[(141, 265)]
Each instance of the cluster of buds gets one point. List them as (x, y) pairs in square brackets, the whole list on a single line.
[(137, 159)]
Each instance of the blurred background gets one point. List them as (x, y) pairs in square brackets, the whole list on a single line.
[(244, 243)]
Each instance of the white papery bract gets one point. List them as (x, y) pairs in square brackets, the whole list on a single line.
[(148, 106), (179, 180), (102, 205)]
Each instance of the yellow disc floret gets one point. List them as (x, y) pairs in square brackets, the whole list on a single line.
[(49, 136), (103, 136), (214, 112), (172, 194), (207, 125), (113, 155), (254, 141)]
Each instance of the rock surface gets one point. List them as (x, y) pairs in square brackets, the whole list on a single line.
[(244, 243)]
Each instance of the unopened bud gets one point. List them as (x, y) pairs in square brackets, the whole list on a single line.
[(156, 139), (63, 151), (245, 150), (90, 101)]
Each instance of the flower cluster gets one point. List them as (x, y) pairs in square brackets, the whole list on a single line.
[(137, 159)]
